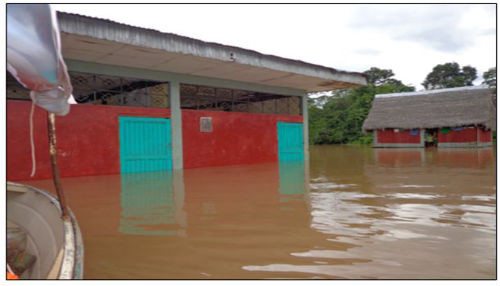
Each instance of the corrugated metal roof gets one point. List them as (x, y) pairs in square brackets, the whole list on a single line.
[(326, 78)]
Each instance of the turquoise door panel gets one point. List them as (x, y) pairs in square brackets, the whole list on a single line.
[(145, 144), (290, 142)]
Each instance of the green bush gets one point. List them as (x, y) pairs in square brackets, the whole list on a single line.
[(340, 117)]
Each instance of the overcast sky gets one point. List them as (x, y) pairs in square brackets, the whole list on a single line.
[(409, 39)]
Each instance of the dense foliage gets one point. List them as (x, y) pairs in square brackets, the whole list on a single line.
[(490, 77), (337, 119), (450, 75)]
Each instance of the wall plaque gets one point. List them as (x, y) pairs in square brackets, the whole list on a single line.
[(206, 124)]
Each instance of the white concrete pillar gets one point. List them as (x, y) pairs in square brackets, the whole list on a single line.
[(176, 119), (305, 124)]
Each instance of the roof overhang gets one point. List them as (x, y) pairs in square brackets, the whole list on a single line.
[(106, 42)]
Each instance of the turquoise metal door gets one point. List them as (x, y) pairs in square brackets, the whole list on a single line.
[(145, 144), (290, 142)]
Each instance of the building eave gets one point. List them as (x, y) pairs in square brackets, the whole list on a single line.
[(92, 39)]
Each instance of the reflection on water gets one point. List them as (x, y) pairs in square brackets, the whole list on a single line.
[(148, 204), (366, 213), (399, 157), (291, 177)]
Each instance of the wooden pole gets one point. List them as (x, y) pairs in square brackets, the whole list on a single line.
[(51, 120)]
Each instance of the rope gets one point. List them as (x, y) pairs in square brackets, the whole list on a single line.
[(32, 141)]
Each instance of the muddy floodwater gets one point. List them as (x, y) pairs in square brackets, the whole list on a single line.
[(363, 213)]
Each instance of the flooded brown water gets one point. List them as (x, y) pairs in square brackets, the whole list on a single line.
[(366, 213)]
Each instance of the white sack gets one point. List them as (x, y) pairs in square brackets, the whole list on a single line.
[(34, 55)]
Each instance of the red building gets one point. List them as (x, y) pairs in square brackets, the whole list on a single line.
[(150, 101), (452, 117)]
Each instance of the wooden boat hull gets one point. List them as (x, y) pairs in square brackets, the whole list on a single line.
[(57, 243)]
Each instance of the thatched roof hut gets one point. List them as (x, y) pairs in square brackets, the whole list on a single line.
[(450, 107)]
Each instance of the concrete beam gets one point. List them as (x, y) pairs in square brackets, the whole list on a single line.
[(92, 67)]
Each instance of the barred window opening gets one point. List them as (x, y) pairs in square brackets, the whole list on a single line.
[(232, 100), (100, 89)]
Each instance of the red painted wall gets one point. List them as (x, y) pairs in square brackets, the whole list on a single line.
[(237, 138), (403, 136), (484, 135), (464, 135), (87, 139)]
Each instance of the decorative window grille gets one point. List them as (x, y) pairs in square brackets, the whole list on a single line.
[(102, 89), (232, 100), (15, 90), (114, 90)]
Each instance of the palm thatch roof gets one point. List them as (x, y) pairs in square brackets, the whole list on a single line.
[(450, 107)]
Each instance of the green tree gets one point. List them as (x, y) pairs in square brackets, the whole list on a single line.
[(450, 75), (378, 76), (490, 77), (338, 119)]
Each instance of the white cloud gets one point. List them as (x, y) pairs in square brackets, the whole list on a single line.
[(409, 39), (436, 26)]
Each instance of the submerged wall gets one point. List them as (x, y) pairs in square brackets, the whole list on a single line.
[(484, 137), (466, 137), (403, 138), (236, 139), (87, 139)]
